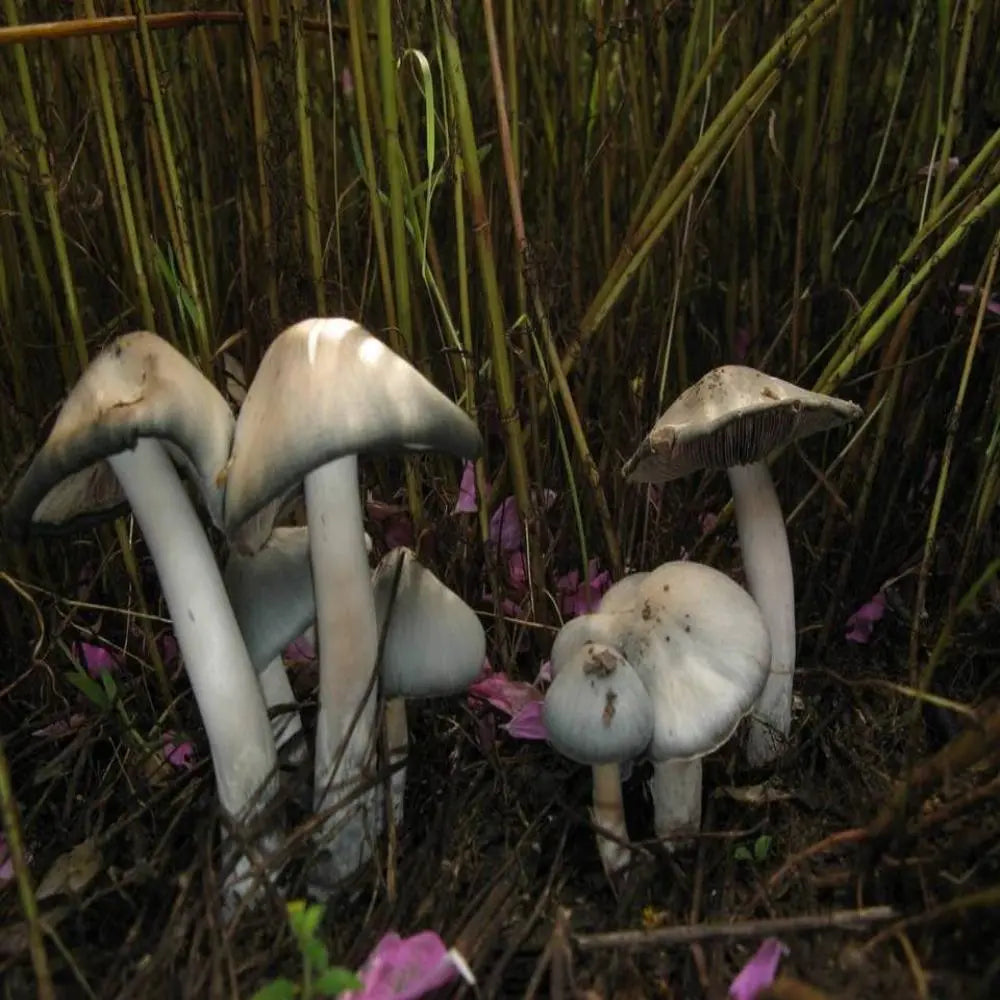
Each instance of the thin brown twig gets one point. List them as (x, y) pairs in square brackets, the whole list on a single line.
[(690, 933)]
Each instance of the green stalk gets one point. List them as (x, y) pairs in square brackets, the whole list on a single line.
[(48, 185), (307, 159), (502, 377)]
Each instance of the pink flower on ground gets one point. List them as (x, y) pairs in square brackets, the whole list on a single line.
[(180, 755), (862, 623), (96, 659), (967, 290), (576, 598), (759, 972), (408, 968), (301, 650), (506, 531), (468, 499), (528, 723)]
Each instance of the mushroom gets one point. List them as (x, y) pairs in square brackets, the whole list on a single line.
[(432, 642), (138, 404), (732, 418), (688, 643), (433, 645), (326, 389)]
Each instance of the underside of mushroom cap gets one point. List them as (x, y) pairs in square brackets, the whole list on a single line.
[(139, 386), (434, 642), (327, 388), (271, 592), (734, 415), (597, 710)]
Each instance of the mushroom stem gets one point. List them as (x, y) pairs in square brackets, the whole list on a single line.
[(609, 814), (347, 636), (286, 723), (398, 742), (676, 790), (768, 567), (222, 678)]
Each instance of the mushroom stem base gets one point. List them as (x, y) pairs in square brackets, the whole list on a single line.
[(286, 722), (676, 791), (609, 814), (768, 566)]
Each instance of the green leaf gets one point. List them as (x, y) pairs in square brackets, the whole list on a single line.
[(277, 989), (90, 689), (742, 854), (315, 953), (311, 920), (762, 847), (336, 981)]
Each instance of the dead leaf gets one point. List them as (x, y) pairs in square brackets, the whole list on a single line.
[(756, 795), (71, 872)]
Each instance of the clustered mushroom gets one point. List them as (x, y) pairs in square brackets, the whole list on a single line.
[(141, 415)]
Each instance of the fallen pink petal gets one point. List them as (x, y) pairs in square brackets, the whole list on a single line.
[(169, 650), (759, 972), (508, 696), (517, 571), (576, 598), (179, 755), (301, 650), (861, 624), (970, 291), (96, 660), (708, 522), (506, 531), (468, 499), (528, 723), (408, 968), (398, 532)]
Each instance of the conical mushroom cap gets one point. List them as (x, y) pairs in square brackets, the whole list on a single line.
[(327, 388), (434, 642), (732, 416), (139, 386)]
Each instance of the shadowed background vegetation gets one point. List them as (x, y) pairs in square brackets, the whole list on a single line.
[(563, 212)]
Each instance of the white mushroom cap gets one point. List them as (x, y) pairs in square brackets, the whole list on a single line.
[(327, 388), (272, 593), (734, 415), (434, 642), (695, 640), (137, 387), (597, 710)]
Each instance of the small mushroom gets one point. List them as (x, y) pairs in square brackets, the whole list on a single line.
[(696, 645), (138, 404), (732, 419), (433, 645), (326, 390)]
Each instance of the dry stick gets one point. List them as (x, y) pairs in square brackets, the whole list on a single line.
[(81, 27), (15, 845), (517, 217), (639, 940)]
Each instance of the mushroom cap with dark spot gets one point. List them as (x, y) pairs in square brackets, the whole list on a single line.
[(434, 642), (137, 387), (596, 710), (734, 415), (327, 388)]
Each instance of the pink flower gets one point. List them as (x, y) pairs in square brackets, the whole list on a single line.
[(968, 291), (397, 528), (169, 649), (96, 659), (301, 650), (506, 530), (576, 598), (528, 723), (759, 972), (862, 623), (708, 521), (180, 755), (408, 968), (468, 500)]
